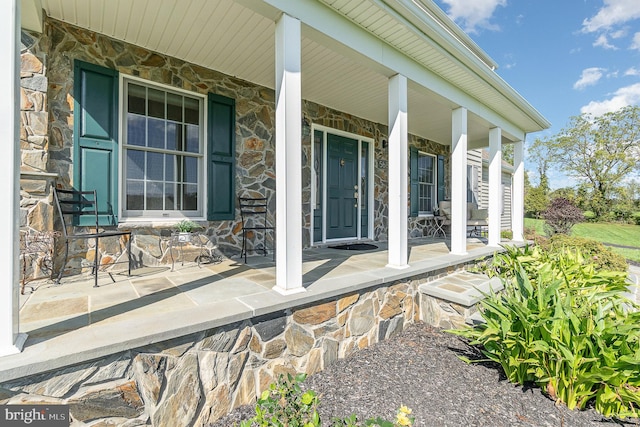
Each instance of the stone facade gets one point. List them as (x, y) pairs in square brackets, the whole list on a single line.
[(445, 314), (47, 135), (196, 379)]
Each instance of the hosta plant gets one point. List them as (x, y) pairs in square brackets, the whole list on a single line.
[(565, 325)]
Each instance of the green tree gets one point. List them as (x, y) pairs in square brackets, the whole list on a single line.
[(536, 199), (600, 151), (535, 202)]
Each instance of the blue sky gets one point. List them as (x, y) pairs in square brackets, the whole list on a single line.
[(566, 57)]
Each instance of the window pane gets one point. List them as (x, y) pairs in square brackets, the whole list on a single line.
[(135, 195), (190, 197), (156, 133), (174, 107), (154, 195), (190, 173), (174, 136), (136, 99), (135, 164), (156, 103), (193, 138), (170, 168), (191, 111), (136, 132), (169, 197), (154, 166)]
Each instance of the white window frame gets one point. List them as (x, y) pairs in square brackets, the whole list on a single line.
[(434, 184), (159, 216)]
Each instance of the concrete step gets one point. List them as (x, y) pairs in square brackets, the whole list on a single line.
[(462, 288)]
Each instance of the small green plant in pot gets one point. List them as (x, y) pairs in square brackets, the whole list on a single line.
[(184, 228)]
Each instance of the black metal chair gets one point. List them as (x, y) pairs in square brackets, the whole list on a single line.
[(72, 205), (253, 212)]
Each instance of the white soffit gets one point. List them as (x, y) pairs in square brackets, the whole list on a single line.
[(227, 36), (31, 15)]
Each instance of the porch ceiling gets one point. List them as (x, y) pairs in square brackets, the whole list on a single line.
[(237, 38)]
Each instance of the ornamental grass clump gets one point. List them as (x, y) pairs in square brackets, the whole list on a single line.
[(566, 326)]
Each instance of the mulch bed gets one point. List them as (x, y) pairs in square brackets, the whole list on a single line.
[(420, 368)]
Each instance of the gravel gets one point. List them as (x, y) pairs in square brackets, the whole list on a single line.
[(420, 368)]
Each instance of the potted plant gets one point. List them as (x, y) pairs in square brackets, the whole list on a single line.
[(184, 228)]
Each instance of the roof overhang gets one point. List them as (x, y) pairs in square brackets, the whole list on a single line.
[(349, 50)]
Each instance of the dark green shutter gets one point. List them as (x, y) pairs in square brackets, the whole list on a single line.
[(441, 186), (95, 136), (221, 157), (413, 163)]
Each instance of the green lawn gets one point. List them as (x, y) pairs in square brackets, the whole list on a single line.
[(617, 234)]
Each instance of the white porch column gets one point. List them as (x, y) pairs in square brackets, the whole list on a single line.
[(459, 181), (517, 202), (398, 140), (495, 185), (11, 341), (288, 157)]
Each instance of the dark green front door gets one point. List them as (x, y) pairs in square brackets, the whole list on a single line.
[(342, 187)]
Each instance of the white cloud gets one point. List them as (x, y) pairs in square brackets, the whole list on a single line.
[(614, 12), (603, 41), (635, 44), (473, 14), (633, 71), (628, 95), (618, 34), (589, 77)]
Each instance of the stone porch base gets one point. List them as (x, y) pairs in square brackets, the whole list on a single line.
[(451, 301)]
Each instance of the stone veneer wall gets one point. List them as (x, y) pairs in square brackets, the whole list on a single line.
[(47, 135), (198, 378), (35, 178)]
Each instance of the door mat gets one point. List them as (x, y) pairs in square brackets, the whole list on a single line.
[(355, 247)]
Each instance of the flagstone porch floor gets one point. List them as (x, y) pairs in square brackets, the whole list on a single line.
[(75, 322)]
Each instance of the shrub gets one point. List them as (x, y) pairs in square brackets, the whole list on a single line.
[(285, 404), (560, 216), (529, 233), (602, 256), (506, 234), (565, 325), (636, 218), (590, 216)]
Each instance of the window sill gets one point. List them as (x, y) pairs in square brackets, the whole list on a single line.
[(159, 223)]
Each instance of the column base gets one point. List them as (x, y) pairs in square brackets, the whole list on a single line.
[(16, 347), (293, 291)]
